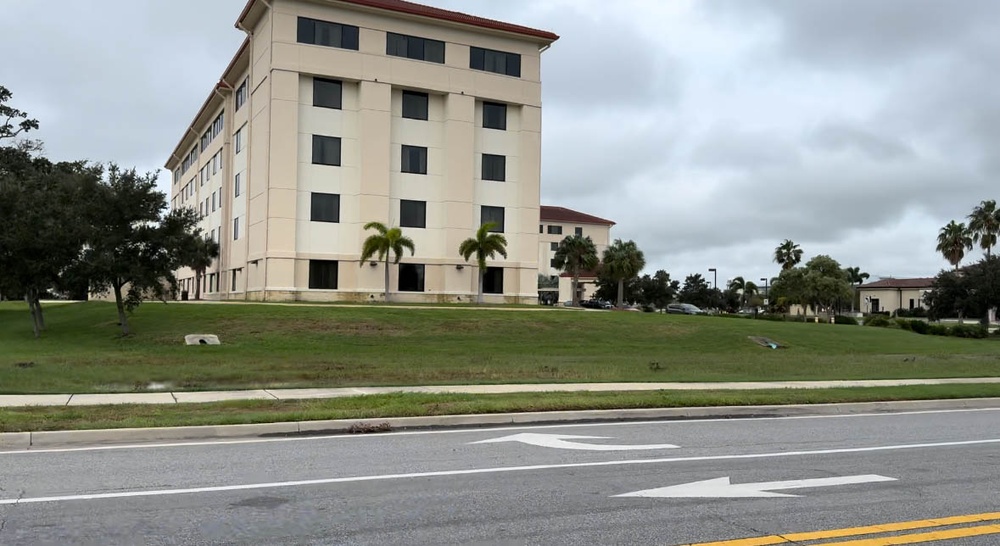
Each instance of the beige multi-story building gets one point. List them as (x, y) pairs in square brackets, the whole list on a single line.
[(336, 113), (555, 224)]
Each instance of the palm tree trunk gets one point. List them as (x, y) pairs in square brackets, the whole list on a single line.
[(575, 298), (386, 296), (482, 275), (621, 293)]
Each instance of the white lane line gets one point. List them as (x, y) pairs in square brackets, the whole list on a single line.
[(486, 429), (474, 471)]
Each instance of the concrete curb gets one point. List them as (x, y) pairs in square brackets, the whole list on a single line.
[(18, 441)]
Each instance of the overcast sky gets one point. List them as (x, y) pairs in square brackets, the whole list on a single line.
[(709, 130)]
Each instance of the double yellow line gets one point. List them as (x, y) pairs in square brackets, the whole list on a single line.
[(912, 538)]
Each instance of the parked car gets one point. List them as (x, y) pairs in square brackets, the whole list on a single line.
[(595, 304), (684, 309)]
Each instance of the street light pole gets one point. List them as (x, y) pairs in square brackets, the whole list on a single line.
[(767, 295), (715, 277)]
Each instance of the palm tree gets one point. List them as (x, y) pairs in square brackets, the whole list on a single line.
[(953, 240), (386, 241), (984, 225), (787, 254), (484, 245), (199, 257), (856, 277), (575, 254), (746, 289), (623, 261)]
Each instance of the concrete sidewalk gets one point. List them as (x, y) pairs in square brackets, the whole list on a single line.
[(182, 397)]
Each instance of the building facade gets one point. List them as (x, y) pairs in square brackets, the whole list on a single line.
[(336, 113), (557, 223), (890, 295)]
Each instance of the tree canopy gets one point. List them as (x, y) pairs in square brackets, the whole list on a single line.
[(485, 245)]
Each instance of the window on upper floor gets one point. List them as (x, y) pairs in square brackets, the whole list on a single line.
[(415, 105), (326, 150), (412, 47), (555, 230), (553, 246), (325, 207), (242, 93), (238, 140), (493, 215), (494, 167), (578, 231), (495, 116), (236, 185), (328, 93), (491, 60), (414, 159), (236, 228), (412, 213), (326, 33)]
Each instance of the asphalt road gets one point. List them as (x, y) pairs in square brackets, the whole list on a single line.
[(447, 487)]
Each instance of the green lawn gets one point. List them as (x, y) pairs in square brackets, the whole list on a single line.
[(290, 346)]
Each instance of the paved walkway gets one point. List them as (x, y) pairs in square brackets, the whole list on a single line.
[(20, 400)]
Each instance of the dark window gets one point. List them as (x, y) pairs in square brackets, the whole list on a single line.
[(493, 280), (492, 214), (411, 47), (578, 231), (325, 207), (414, 159), (411, 277), (490, 60), (494, 167), (242, 94), (412, 213), (236, 185), (541, 228), (555, 230), (323, 274), (495, 116), (414, 105), (326, 150), (324, 33), (912, 304), (236, 229), (552, 262), (327, 93), (239, 140), (553, 246)]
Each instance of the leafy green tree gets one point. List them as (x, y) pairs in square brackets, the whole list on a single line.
[(856, 277), (623, 261), (984, 225), (787, 254), (825, 283), (134, 243), (385, 241), (971, 292), (199, 255), (485, 245), (697, 292), (790, 289), (576, 254), (607, 287), (13, 122), (658, 290), (953, 241)]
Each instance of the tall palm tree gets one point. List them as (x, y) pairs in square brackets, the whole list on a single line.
[(984, 224), (623, 261), (484, 245), (574, 255), (787, 254), (953, 240), (385, 241), (856, 277), (199, 257), (746, 289)]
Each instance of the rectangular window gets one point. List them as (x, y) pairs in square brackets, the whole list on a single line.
[(493, 280), (236, 229), (492, 214), (325, 33), (499, 62), (232, 285), (412, 47), (495, 116), (328, 93), (578, 231), (412, 214), (411, 277), (323, 274), (414, 105), (912, 304), (236, 185), (238, 140), (326, 150), (213, 201), (494, 167), (552, 262), (541, 228), (242, 92), (325, 207), (555, 230), (553, 246), (414, 159)]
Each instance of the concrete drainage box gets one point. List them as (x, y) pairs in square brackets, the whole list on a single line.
[(201, 339)]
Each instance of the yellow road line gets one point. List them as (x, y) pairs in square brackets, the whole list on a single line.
[(923, 537), (866, 530)]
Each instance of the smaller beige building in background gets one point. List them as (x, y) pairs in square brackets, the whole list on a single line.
[(557, 223), (890, 295)]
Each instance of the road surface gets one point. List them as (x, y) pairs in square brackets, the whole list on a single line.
[(918, 478)]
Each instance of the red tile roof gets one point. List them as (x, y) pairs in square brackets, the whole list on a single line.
[(570, 216), (584, 274), (410, 8), (922, 282)]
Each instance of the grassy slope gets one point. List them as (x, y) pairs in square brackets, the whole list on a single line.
[(287, 346)]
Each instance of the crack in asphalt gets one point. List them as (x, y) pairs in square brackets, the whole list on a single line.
[(3, 521)]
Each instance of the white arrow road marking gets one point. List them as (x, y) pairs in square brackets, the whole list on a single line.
[(722, 488), (559, 441)]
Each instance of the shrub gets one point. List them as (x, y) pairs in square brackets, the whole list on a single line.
[(879, 321), (974, 331), (937, 329), (916, 312), (772, 317), (904, 324), (841, 319), (919, 326)]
